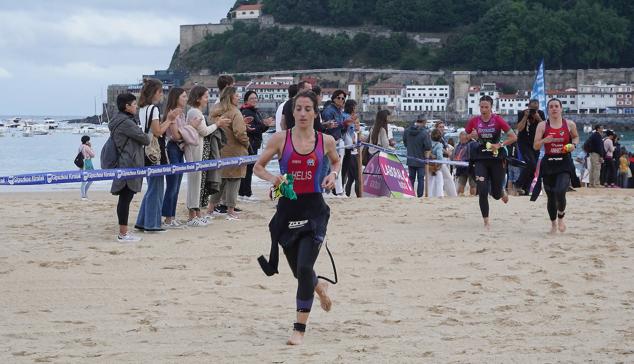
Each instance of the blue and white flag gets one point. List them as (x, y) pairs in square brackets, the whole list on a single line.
[(539, 88)]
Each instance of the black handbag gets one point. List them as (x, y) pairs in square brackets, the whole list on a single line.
[(79, 160)]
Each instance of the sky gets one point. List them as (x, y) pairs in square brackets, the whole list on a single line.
[(58, 57)]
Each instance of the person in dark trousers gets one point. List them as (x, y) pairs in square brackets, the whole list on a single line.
[(129, 140), (256, 126), (527, 121), (418, 144)]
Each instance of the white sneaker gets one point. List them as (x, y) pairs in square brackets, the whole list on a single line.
[(84, 198), (196, 222), (251, 198), (127, 238)]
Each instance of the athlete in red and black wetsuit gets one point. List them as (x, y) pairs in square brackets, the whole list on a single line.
[(489, 167), (299, 226), (556, 167)]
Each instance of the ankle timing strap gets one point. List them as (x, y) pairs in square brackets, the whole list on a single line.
[(299, 327), (561, 214)]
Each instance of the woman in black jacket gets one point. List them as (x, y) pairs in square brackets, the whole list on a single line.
[(256, 126)]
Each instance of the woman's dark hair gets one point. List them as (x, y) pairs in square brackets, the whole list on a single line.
[(195, 94), (149, 89), (292, 91), (436, 135), (308, 94), (172, 100), (349, 106), (337, 93), (85, 139), (224, 81), (554, 100), (317, 90), (125, 99), (488, 99), (598, 126), (247, 94), (379, 123)]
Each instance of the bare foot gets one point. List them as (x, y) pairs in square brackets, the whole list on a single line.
[(562, 225), (487, 225), (322, 291), (297, 338), (505, 198), (553, 229)]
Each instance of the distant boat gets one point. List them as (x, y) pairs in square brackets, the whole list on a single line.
[(14, 123), (40, 129), (85, 130), (51, 123), (27, 131)]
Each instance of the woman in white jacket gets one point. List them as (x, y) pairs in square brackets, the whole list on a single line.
[(198, 99)]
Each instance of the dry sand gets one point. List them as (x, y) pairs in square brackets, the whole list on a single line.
[(420, 281)]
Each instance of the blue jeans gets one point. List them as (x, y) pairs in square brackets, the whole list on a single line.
[(86, 185), (173, 181), (149, 217), (420, 172)]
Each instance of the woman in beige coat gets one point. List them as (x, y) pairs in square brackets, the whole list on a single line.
[(237, 146)]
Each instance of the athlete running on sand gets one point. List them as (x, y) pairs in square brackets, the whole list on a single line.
[(300, 225)]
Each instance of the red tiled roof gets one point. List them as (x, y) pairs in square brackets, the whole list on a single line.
[(249, 7)]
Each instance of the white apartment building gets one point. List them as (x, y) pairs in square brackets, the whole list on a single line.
[(568, 99), (476, 92), (424, 98), (597, 99), (385, 95), (511, 104)]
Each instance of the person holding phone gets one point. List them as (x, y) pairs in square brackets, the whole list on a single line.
[(527, 121), (256, 126)]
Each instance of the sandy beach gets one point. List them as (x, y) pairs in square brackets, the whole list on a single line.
[(420, 281)]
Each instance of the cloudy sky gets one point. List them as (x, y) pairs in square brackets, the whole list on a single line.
[(57, 56)]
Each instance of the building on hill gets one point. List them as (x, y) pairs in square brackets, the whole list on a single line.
[(247, 12), (425, 98), (385, 96)]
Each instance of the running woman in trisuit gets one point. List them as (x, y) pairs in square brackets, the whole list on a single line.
[(559, 137), (300, 225), (488, 154)]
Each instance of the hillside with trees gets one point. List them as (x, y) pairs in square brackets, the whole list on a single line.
[(487, 35)]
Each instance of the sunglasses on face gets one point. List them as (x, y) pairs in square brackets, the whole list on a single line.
[(341, 97)]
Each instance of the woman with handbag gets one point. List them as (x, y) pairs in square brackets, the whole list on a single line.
[(237, 146), (198, 99), (128, 140), (86, 150), (149, 217)]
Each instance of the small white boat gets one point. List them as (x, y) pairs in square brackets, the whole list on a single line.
[(27, 131), (85, 130), (51, 123), (14, 123), (40, 129)]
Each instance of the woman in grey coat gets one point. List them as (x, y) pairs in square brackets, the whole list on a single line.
[(129, 140)]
